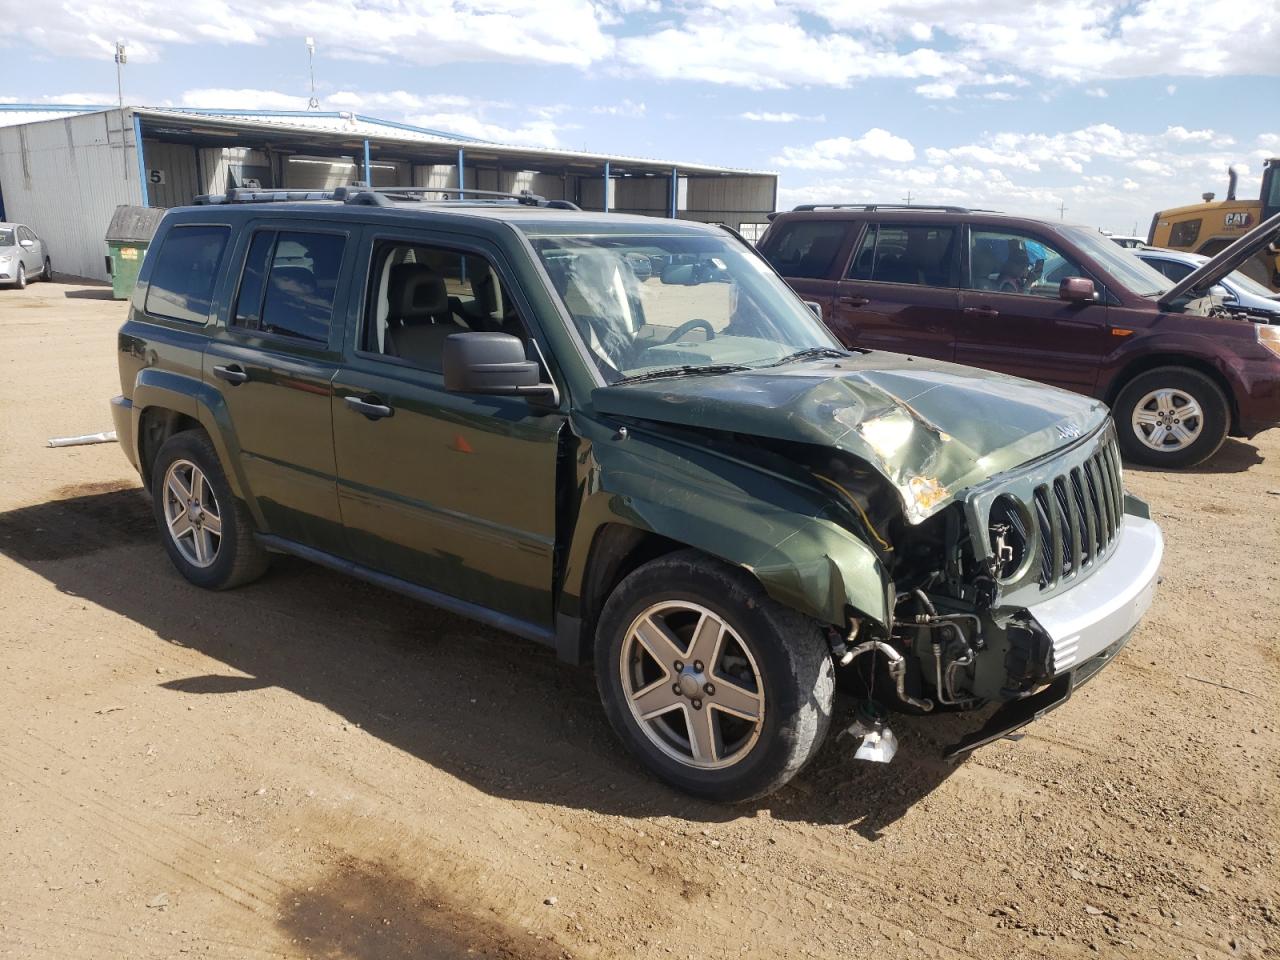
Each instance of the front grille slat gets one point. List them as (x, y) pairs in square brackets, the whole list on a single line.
[(1077, 515)]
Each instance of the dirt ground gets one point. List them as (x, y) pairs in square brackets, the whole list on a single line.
[(311, 767)]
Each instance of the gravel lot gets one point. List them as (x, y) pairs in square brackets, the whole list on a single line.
[(311, 767)]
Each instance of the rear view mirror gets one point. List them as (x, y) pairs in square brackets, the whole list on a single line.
[(1077, 290), (815, 307), (493, 364)]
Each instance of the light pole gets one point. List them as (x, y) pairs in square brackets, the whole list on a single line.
[(313, 103), (121, 59)]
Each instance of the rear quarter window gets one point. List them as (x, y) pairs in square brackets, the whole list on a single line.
[(185, 272), (805, 249)]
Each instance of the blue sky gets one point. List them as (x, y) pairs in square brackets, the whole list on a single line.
[(1113, 109)]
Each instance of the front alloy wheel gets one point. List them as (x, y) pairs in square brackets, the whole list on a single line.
[(717, 688), (1171, 417), (1168, 420), (692, 685)]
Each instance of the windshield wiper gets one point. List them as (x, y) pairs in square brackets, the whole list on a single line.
[(686, 370), (812, 353)]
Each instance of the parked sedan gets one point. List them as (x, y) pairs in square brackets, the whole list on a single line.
[(23, 256), (1240, 292)]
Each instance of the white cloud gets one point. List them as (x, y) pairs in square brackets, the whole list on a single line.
[(937, 91), (1098, 92), (999, 95), (835, 153), (781, 117)]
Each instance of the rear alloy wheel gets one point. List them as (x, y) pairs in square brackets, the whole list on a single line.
[(1171, 417), (718, 689), (206, 531), (22, 277)]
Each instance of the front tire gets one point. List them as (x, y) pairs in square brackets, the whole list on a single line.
[(21, 282), (715, 687), (205, 530), (1171, 417)]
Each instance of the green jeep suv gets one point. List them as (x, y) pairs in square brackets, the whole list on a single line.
[(626, 438)]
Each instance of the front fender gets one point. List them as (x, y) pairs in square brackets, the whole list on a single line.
[(784, 533)]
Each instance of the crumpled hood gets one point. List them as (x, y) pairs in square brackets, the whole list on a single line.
[(933, 429)]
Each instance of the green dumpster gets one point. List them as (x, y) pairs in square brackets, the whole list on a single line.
[(128, 237)]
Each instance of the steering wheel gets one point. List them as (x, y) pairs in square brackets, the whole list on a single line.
[(689, 326)]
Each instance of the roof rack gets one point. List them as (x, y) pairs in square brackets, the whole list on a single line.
[(360, 194), (871, 207)]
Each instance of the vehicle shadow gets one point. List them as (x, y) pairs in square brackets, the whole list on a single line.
[(497, 711), (1234, 456)]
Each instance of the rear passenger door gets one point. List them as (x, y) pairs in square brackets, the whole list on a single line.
[(272, 360), (901, 290), (447, 491), (1013, 320)]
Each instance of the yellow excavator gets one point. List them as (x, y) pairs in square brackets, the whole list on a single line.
[(1210, 227)]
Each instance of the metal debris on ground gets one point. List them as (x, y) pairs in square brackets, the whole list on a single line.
[(107, 436)]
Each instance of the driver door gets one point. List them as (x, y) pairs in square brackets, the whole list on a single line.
[(1012, 320), (451, 492)]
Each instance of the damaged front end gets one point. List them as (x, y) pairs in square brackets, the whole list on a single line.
[(998, 597)]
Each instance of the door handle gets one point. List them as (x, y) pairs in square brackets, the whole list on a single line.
[(232, 373), (854, 301), (987, 313), (371, 407)]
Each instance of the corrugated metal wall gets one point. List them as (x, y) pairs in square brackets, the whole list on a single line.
[(65, 178), (172, 177)]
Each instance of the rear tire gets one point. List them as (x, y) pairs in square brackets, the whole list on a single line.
[(47, 276), (1171, 417), (737, 726), (206, 531)]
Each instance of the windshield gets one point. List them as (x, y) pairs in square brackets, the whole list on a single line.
[(645, 304), (7, 239), (1136, 276), (1246, 284)]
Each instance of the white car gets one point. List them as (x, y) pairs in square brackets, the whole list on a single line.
[(23, 256), (1241, 293)]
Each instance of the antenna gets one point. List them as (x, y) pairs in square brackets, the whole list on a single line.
[(121, 59), (312, 103)]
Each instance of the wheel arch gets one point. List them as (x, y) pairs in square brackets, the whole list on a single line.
[(1153, 361)]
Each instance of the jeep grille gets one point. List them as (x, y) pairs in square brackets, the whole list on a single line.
[(1078, 514)]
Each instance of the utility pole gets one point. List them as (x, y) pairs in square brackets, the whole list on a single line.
[(1062, 210), (313, 103), (908, 198), (121, 59)]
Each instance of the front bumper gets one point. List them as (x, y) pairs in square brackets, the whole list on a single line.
[(1100, 612)]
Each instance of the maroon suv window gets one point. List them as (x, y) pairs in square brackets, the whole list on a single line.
[(805, 249), (918, 254)]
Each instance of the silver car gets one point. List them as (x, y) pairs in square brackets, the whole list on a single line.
[(23, 256), (1240, 293)]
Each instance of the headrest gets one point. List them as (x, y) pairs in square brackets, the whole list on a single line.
[(416, 292)]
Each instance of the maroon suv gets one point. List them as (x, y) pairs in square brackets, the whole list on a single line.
[(1050, 302)]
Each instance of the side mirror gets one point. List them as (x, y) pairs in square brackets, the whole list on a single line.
[(27, 243), (1077, 290), (1219, 292), (493, 364)]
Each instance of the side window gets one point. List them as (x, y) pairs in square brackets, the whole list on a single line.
[(419, 295), (185, 272), (26, 234), (1174, 271), (1016, 263), (289, 283), (805, 249), (921, 255), (1184, 233)]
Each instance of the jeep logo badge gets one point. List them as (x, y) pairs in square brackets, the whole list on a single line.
[(1068, 431)]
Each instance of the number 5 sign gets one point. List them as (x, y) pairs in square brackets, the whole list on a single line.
[(155, 176)]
